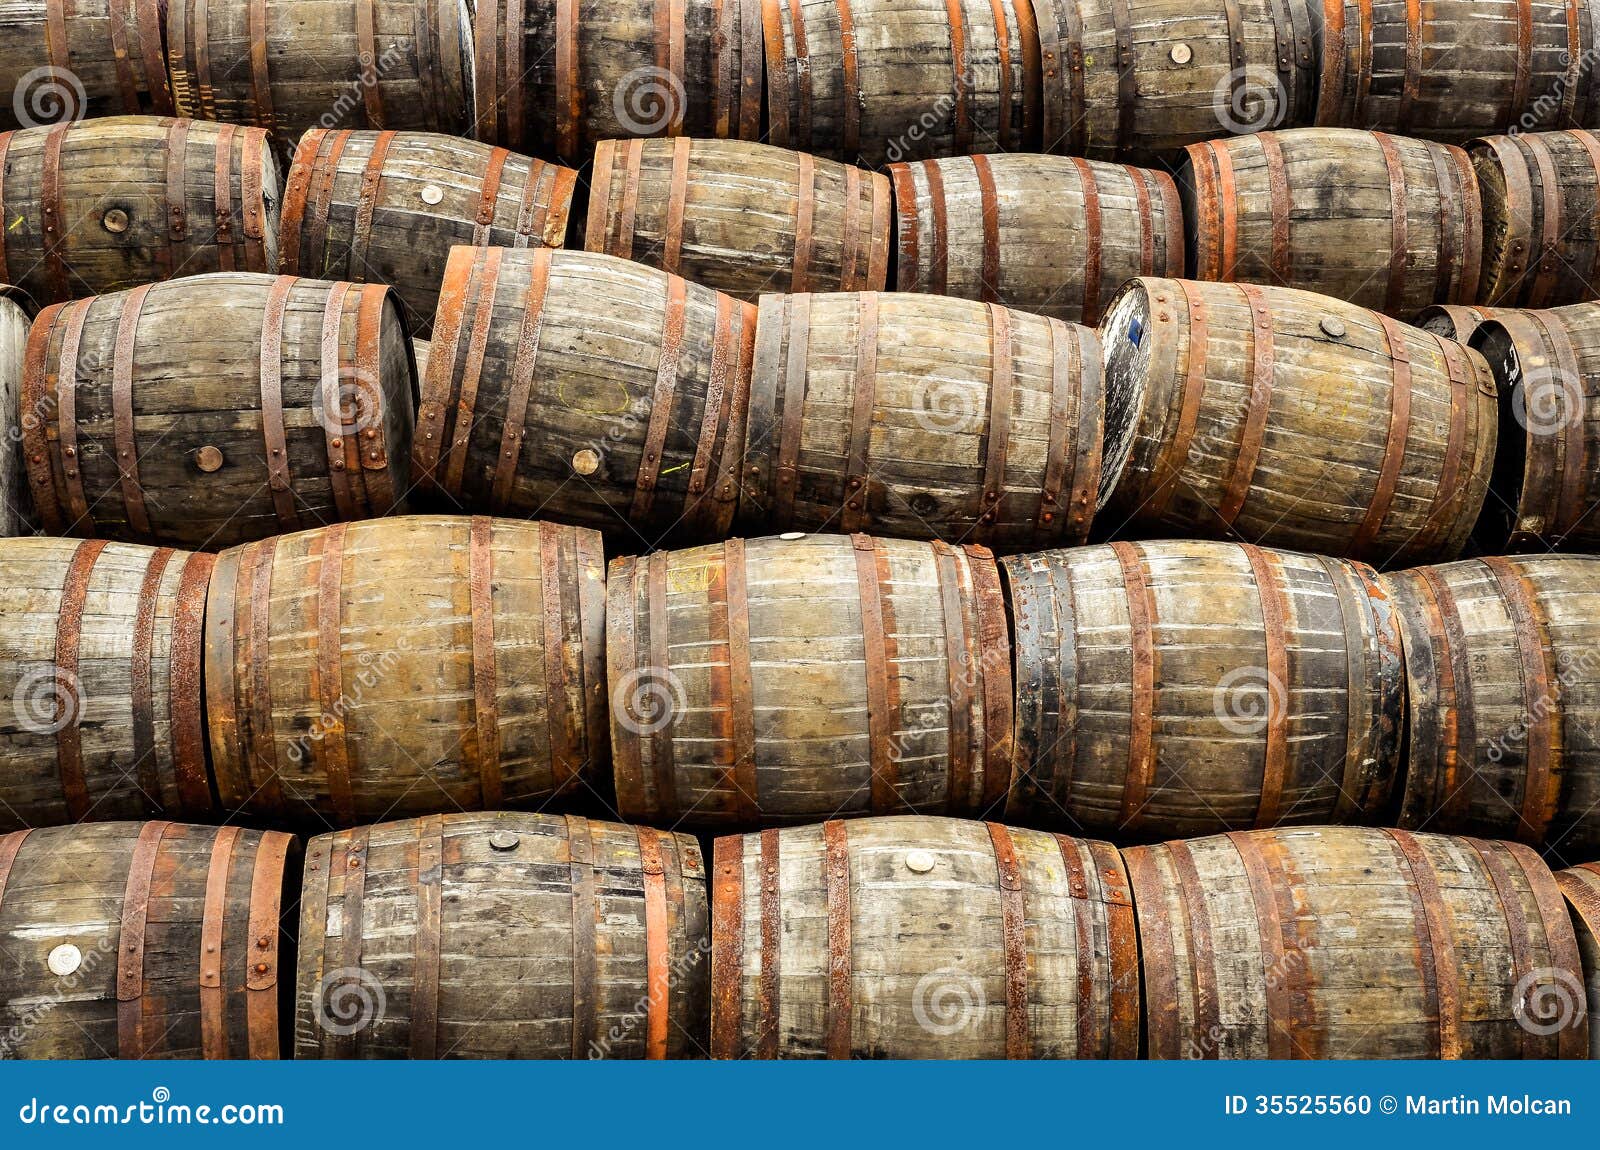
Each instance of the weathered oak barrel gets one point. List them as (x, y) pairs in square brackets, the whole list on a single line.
[(889, 80), (1351, 943), (401, 665), (1542, 242), (1384, 222), (389, 206), (1503, 676), (1453, 321), (290, 65), (16, 314), (556, 76), (922, 417), (100, 658), (1046, 234), (1581, 886), (1455, 69), (219, 409), (1168, 689), (1294, 420), (585, 388), (503, 936), (153, 940), (101, 205), (1547, 472), (917, 937), (804, 677), (1139, 78), (739, 217), (102, 59)]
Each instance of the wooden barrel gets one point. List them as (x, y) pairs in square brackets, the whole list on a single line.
[(103, 59), (556, 76), (401, 665), (1454, 321), (1542, 243), (1547, 471), (100, 655), (1046, 234), (219, 409), (16, 314), (503, 936), (585, 388), (1503, 690), (1350, 943), (922, 417), (876, 81), (1141, 78), (742, 218), (795, 678), (1581, 886), (916, 937), (153, 940), (290, 65), (1305, 422), (186, 198), (388, 207), (1168, 689), (1455, 69), (1384, 222)]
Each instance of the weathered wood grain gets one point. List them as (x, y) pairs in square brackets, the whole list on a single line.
[(1581, 886), (405, 665), (1503, 678), (290, 65), (1351, 943), (557, 76), (100, 669), (503, 936), (739, 217), (1294, 420), (1140, 79), (387, 207), (16, 312), (918, 937), (1168, 689), (922, 417), (219, 409), (103, 205), (802, 677), (1542, 242), (1045, 234), (876, 81), (1378, 220), (586, 389), (1455, 69), (153, 940), (58, 65)]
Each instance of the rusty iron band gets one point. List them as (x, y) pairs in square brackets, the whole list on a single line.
[(514, 429), (668, 368), (273, 434), (1259, 406), (857, 492), (1395, 440), (333, 748), (68, 692), (727, 945), (880, 669), (1090, 192), (1436, 954), (141, 676), (213, 915), (131, 1037), (585, 954), (1013, 929), (1141, 623), (428, 882)]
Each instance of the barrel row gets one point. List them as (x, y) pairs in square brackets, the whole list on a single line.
[(519, 936)]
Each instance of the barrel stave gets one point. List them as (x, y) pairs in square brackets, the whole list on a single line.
[(1581, 887), (83, 72), (1542, 247), (15, 317)]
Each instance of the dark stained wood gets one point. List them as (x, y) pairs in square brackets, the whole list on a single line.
[(1292, 422), (90, 207), (16, 312), (1273, 702), (503, 936), (441, 663), (1581, 886), (52, 78), (1351, 943), (128, 913), (227, 376), (393, 219), (1454, 321), (1542, 243)]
